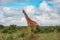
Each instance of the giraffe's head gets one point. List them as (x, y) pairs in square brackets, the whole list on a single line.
[(23, 11)]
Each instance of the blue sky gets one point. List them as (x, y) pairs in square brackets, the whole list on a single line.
[(22, 4), (44, 12)]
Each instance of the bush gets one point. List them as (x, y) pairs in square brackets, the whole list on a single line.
[(5, 30), (1, 26), (58, 28), (45, 29), (10, 29)]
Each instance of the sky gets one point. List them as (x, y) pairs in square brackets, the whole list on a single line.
[(44, 12)]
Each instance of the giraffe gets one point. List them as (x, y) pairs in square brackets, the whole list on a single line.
[(30, 22)]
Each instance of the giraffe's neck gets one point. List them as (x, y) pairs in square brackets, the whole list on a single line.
[(26, 16)]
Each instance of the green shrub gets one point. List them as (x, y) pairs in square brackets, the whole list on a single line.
[(45, 29), (1, 26), (12, 27), (58, 28), (5, 30)]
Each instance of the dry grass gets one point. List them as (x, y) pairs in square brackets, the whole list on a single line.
[(23, 35)]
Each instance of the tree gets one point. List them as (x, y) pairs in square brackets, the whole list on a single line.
[(12, 26), (1, 26)]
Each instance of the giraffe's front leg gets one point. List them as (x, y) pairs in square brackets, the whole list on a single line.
[(34, 27), (29, 28)]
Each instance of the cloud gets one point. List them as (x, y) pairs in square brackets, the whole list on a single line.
[(11, 11), (45, 19), (11, 16), (2, 2), (54, 1), (1, 17), (48, 16), (43, 15), (44, 6), (30, 9)]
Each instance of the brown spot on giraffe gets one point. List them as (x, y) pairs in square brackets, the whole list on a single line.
[(30, 22)]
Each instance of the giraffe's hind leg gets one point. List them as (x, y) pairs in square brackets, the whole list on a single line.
[(29, 29), (34, 27)]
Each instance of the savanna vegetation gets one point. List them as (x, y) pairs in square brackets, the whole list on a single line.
[(14, 32)]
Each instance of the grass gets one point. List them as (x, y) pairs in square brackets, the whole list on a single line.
[(25, 36), (22, 34)]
